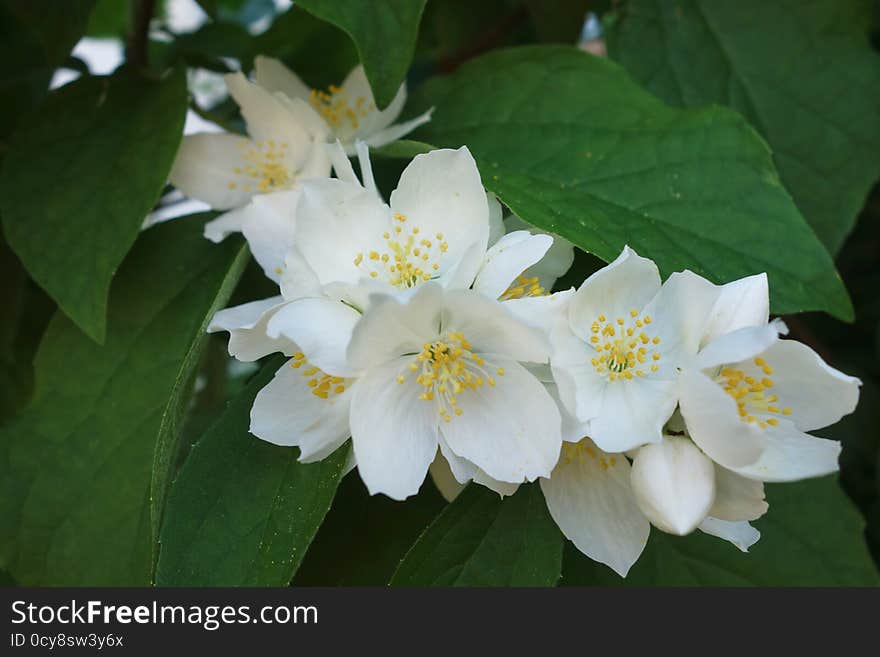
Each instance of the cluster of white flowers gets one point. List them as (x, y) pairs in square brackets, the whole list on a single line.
[(423, 328)]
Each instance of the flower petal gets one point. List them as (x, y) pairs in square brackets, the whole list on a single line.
[(558, 259), (595, 508), (741, 534), (509, 258), (741, 303), (268, 224), (674, 484), (496, 220), (441, 193), (298, 279), (541, 312), (491, 328), (394, 132), (285, 412), (739, 345), (274, 76), (227, 223), (629, 282), (394, 433), (463, 471), (713, 421), (817, 394), (391, 328), (791, 455), (268, 117), (246, 324), (204, 169), (511, 430), (736, 497), (322, 328), (632, 413), (336, 222)]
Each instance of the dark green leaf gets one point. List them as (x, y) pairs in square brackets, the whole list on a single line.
[(811, 536), (403, 149), (59, 25), (384, 34), (75, 466), (242, 512), (296, 36), (81, 175), (573, 146), (482, 540), (803, 73), (381, 528)]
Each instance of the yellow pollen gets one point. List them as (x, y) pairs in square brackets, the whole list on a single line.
[(620, 352), (754, 405), (338, 110), (447, 368), (264, 169), (522, 287)]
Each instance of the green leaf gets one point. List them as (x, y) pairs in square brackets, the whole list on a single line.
[(59, 25), (80, 176), (384, 34), (382, 529), (75, 465), (405, 149), (482, 540), (811, 536), (242, 511), (574, 146), (296, 35), (803, 73)]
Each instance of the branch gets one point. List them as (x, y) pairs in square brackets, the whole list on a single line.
[(138, 34)]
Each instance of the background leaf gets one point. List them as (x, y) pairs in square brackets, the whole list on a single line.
[(482, 540), (364, 537), (242, 511), (79, 178), (75, 466), (810, 537), (573, 146), (384, 34), (59, 25), (802, 72)]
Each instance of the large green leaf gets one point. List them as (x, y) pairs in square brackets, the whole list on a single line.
[(802, 71), (59, 25), (573, 145), (482, 540), (811, 536), (384, 34), (75, 465), (242, 512), (80, 175)]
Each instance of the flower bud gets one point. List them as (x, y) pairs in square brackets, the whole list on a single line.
[(674, 484)]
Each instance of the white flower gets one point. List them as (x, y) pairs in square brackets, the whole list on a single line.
[(302, 406), (680, 489), (285, 145), (558, 259), (590, 498), (618, 352), (349, 110), (750, 397), (443, 369), (348, 243)]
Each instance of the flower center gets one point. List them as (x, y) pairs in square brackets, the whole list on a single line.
[(336, 110), (446, 368), (323, 385), (623, 346), (584, 449), (410, 259), (749, 392), (523, 286), (263, 168)]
